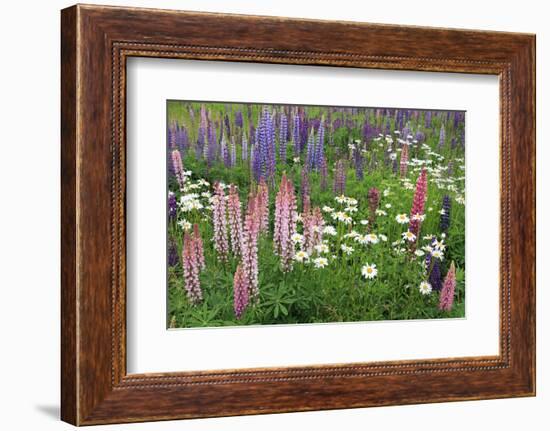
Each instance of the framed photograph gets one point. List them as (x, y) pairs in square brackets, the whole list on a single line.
[(264, 215)]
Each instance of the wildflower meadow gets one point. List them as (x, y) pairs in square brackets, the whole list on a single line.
[(313, 214)]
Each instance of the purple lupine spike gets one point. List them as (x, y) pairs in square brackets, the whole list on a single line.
[(172, 206), (358, 164), (239, 119), (320, 145), (441, 137), (420, 137), (225, 153), (283, 130), (339, 187), (428, 119), (203, 125), (433, 267), (394, 166), (173, 258), (324, 175), (445, 219), (453, 143), (233, 152), (256, 162), (296, 135), (388, 127), (227, 125), (244, 148), (272, 154), (310, 152)]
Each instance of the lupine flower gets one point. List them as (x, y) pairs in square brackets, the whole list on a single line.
[(249, 247), (263, 205), (445, 219), (233, 152), (296, 135), (324, 175), (305, 189), (339, 187), (441, 137), (404, 160), (244, 148), (313, 229), (219, 216), (178, 167), (447, 294), (198, 246), (235, 220), (239, 119), (173, 258), (433, 267), (358, 161), (227, 125), (419, 201), (240, 292), (172, 206), (373, 197), (310, 154), (320, 145), (191, 269), (282, 137), (285, 223), (226, 157)]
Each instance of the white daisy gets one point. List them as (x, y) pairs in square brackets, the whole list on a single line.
[(425, 288), (381, 213), (185, 225), (346, 249), (297, 238), (419, 253), (364, 222), (401, 218), (369, 271), (301, 256), (329, 230), (409, 236), (328, 209), (373, 238), (320, 262), (322, 248), (438, 254)]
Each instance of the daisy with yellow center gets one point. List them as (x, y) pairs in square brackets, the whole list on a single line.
[(401, 218), (301, 256), (409, 236), (425, 288), (369, 271)]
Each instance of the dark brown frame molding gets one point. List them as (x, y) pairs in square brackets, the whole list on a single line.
[(95, 43)]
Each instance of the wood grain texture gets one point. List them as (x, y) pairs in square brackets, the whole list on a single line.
[(96, 41)]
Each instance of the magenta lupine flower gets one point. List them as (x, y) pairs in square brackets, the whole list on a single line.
[(240, 292), (178, 167), (419, 200), (249, 247), (404, 163), (262, 207), (447, 294), (198, 246), (285, 223), (313, 229), (191, 269), (172, 206), (339, 187), (374, 200), (235, 220), (219, 215)]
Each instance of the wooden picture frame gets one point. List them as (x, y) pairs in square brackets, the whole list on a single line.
[(96, 41)]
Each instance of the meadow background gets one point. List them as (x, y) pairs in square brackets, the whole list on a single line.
[(354, 181)]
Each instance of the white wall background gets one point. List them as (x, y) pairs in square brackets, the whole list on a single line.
[(29, 215)]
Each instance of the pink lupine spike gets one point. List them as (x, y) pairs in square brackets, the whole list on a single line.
[(240, 292), (191, 269), (178, 167), (285, 223), (313, 229), (373, 197), (235, 220), (419, 200), (447, 294), (198, 247), (249, 246), (403, 164), (263, 205), (219, 215)]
